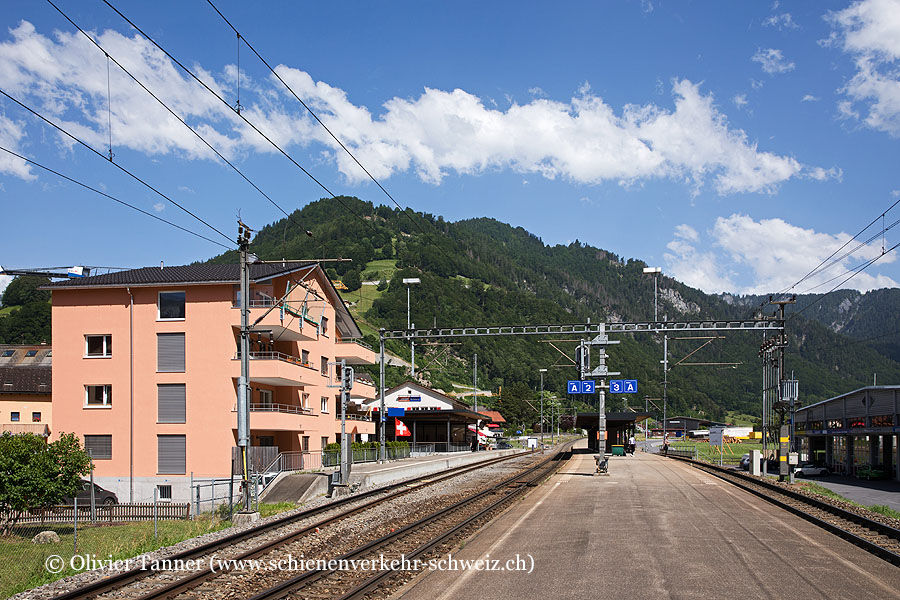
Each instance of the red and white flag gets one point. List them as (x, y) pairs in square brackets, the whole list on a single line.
[(400, 428)]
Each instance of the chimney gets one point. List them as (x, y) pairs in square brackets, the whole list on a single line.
[(161, 265)]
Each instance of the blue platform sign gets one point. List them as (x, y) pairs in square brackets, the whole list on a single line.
[(623, 386), (396, 412), (581, 387)]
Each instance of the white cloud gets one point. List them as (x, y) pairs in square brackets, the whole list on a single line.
[(809, 98), (11, 135), (756, 84), (433, 135), (537, 92), (774, 255), (740, 100), (772, 61), (782, 21), (869, 31), (4, 281), (159, 206)]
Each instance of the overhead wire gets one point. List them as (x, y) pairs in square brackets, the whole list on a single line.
[(111, 197), (174, 114), (112, 162), (241, 116), (404, 210)]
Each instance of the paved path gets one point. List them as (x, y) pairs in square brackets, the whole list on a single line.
[(656, 528), (868, 493)]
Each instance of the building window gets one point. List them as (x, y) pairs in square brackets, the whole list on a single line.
[(170, 352), (883, 421), (304, 400), (836, 424), (98, 346), (324, 325), (98, 395), (324, 404), (35, 417), (8, 353), (266, 440), (325, 366), (164, 492), (324, 442), (171, 305), (171, 403), (31, 353), (305, 446), (265, 397), (14, 417), (304, 357), (170, 457), (98, 446)]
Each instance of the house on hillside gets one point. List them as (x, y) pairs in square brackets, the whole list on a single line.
[(146, 367), (25, 388)]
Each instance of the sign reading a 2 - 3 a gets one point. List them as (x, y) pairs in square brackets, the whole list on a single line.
[(623, 386), (580, 387)]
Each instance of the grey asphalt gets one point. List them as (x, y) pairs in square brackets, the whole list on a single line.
[(868, 493), (655, 528)]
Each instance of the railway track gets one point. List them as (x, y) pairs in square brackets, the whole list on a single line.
[(875, 537), (342, 508), (413, 543)]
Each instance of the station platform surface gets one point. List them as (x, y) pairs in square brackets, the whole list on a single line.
[(299, 487), (655, 528)]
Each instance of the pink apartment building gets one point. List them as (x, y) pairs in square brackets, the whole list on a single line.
[(145, 369)]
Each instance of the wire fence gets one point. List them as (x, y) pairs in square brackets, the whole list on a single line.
[(47, 544)]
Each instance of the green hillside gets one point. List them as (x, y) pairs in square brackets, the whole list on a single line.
[(481, 271)]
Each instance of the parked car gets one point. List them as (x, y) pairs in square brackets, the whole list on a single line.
[(811, 470), (101, 495), (745, 462)]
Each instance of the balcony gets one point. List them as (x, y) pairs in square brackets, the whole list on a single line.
[(279, 369), (278, 417), (354, 416), (35, 428), (284, 322), (363, 389), (354, 352)]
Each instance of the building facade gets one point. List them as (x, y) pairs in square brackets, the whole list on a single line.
[(146, 370), (25, 389)]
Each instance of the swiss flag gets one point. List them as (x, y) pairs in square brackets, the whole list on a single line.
[(400, 428)]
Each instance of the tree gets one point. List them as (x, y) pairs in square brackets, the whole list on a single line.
[(23, 290), (351, 280), (29, 324), (34, 473)]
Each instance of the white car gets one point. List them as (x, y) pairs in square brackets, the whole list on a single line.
[(810, 470)]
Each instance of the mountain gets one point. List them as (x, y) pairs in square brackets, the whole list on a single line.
[(484, 272)]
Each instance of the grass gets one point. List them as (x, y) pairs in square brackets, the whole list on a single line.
[(740, 419), (7, 310), (363, 298), (24, 562), (704, 449), (267, 509), (377, 270)]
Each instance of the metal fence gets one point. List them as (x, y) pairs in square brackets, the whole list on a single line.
[(44, 545)]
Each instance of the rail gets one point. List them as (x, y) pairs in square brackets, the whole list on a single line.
[(289, 358), (352, 417)]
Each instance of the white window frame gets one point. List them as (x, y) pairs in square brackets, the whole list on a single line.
[(107, 395), (266, 393), (107, 351), (159, 492), (158, 294), (324, 402)]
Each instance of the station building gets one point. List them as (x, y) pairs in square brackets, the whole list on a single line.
[(619, 427), (854, 429), (146, 364)]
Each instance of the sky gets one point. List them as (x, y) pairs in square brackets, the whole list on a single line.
[(737, 146)]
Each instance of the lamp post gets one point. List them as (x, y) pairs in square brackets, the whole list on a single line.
[(412, 342), (655, 271), (542, 371)]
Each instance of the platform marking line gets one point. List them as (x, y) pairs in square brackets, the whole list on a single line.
[(812, 542), (451, 591)]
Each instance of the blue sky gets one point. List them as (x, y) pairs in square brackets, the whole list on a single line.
[(735, 147)]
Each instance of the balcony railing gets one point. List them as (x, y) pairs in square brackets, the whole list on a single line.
[(352, 417), (294, 360), (292, 409), (358, 342)]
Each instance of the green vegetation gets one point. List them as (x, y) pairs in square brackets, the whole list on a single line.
[(267, 509), (34, 473), (23, 562), (378, 270), (710, 453), (740, 419), (25, 312), (824, 491)]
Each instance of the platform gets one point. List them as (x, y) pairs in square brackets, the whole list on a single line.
[(299, 487), (656, 528)]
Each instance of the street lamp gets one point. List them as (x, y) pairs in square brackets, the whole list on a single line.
[(412, 343), (655, 271), (542, 371)]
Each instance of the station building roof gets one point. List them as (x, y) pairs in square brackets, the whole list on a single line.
[(871, 409)]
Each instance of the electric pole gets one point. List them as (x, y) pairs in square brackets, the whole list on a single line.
[(243, 408)]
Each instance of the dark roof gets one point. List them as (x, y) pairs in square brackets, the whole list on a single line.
[(847, 394), (25, 380), (202, 273)]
